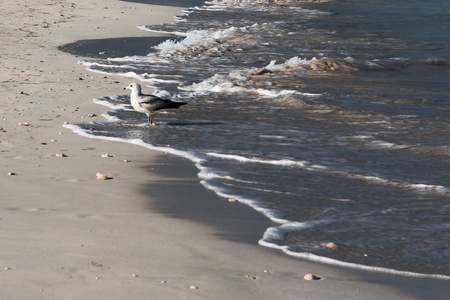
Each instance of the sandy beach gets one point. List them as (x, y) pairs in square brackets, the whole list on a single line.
[(151, 231)]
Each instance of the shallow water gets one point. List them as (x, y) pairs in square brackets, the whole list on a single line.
[(342, 138)]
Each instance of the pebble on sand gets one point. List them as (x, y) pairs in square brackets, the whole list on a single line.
[(311, 277), (134, 275), (331, 245), (11, 174), (60, 155), (106, 155), (250, 277), (102, 176), (193, 287)]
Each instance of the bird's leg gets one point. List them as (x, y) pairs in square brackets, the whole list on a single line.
[(151, 119)]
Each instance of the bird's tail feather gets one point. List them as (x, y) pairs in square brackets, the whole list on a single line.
[(177, 104)]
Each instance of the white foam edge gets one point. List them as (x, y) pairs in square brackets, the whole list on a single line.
[(218, 83), (275, 93), (379, 144), (426, 188), (104, 101), (204, 7), (206, 175), (420, 187), (142, 77), (136, 58), (278, 232), (292, 62), (89, 63), (193, 38), (280, 162), (152, 78), (174, 33), (251, 4), (82, 132)]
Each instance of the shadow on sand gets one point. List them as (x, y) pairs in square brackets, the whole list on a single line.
[(115, 47)]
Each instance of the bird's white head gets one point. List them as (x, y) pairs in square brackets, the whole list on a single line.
[(134, 87)]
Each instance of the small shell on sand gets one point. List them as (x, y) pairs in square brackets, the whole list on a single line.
[(134, 275), (126, 160), (311, 277), (6, 268), (11, 174), (232, 200), (193, 287), (106, 155), (24, 124), (331, 245), (60, 155), (250, 277), (101, 176)]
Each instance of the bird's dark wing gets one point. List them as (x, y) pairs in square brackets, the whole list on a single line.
[(165, 104), (150, 102), (154, 103)]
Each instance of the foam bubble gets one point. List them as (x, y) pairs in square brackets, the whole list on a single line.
[(193, 39)]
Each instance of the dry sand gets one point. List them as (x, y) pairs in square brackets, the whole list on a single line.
[(150, 232)]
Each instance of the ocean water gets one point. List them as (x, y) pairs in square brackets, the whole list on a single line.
[(332, 119)]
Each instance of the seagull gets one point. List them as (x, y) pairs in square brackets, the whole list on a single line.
[(148, 104)]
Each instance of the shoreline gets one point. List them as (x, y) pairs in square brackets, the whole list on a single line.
[(68, 235)]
